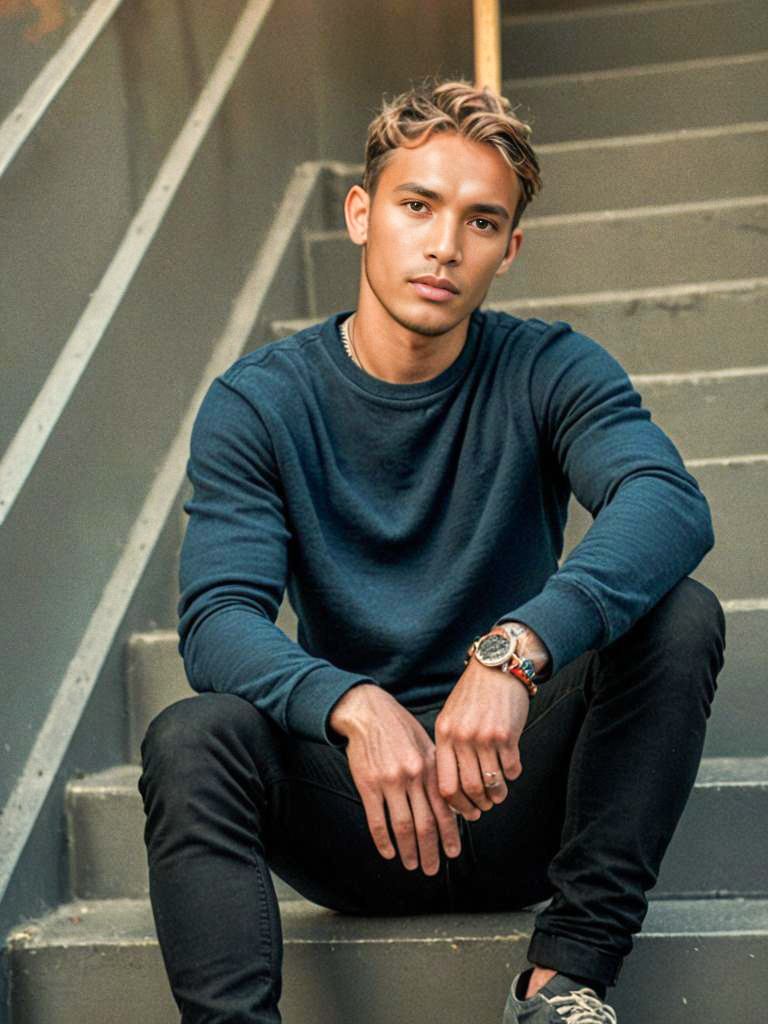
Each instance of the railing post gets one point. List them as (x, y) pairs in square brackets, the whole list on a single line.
[(487, 26)]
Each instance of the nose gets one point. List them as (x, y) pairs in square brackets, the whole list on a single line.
[(444, 241)]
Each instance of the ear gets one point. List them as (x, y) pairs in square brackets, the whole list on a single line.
[(356, 208), (513, 248)]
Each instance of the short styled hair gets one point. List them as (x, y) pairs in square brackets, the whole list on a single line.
[(481, 115)]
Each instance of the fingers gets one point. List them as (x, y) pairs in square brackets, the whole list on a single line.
[(473, 782), (445, 818), (472, 779), (492, 775), (449, 783), (373, 805), (509, 758), (419, 821), (403, 827), (426, 830)]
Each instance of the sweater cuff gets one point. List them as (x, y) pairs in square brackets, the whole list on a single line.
[(314, 698), (565, 619)]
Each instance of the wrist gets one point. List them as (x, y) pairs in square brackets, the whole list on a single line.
[(529, 646), (350, 711)]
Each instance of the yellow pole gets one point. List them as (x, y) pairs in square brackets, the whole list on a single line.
[(487, 44)]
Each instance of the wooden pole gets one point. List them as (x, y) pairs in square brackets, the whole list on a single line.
[(487, 22)]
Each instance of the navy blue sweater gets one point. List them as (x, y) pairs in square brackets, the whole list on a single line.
[(405, 519)]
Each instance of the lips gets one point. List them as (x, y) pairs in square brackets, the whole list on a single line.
[(438, 289)]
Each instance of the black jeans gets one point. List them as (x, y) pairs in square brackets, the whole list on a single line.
[(609, 755)]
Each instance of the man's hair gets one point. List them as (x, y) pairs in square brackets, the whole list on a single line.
[(480, 115)]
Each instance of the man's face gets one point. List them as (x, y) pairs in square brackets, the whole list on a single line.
[(436, 232)]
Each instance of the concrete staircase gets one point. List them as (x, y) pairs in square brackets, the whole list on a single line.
[(650, 236)]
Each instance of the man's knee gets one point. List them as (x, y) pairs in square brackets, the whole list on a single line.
[(684, 636), (191, 733), (676, 648), (689, 623)]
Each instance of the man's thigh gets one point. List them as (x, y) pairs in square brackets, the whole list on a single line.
[(318, 840)]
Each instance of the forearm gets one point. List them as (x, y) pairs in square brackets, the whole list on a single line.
[(651, 523), (652, 534), (238, 650)]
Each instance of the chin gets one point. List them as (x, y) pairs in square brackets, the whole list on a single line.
[(430, 326)]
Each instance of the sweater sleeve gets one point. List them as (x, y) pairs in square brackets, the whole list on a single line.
[(234, 565), (651, 523)]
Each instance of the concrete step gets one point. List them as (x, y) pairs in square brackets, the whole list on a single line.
[(700, 960), (154, 678), (739, 723), (622, 172), (702, 326), (614, 36), (657, 168), (654, 330), (719, 847), (639, 247), (643, 98), (154, 673), (710, 413), (737, 490), (589, 252), (105, 826)]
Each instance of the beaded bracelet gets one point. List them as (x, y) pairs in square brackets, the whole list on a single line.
[(524, 671)]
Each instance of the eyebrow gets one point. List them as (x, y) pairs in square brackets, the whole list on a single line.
[(428, 193)]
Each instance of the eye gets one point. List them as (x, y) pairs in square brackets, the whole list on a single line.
[(415, 205), (486, 226)]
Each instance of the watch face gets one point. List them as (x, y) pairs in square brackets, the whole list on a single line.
[(494, 649)]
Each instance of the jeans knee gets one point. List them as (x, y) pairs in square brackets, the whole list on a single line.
[(675, 652), (690, 625), (688, 634), (188, 736)]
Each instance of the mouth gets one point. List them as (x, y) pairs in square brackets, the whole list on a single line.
[(438, 289)]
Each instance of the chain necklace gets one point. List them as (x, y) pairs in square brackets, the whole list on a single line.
[(345, 330)]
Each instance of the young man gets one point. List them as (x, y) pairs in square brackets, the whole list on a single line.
[(463, 724)]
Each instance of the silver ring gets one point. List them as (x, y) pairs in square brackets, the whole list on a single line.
[(492, 780)]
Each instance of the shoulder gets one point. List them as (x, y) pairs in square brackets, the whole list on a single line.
[(543, 343), (527, 340), (282, 363), (264, 387)]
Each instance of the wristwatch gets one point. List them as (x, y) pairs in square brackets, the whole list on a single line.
[(497, 649)]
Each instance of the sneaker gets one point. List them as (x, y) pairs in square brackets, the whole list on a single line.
[(561, 1001)]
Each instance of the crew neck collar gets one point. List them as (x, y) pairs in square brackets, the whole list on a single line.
[(404, 392)]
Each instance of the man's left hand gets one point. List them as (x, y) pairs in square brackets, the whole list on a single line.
[(477, 734)]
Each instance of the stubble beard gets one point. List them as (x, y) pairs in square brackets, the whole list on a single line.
[(410, 325)]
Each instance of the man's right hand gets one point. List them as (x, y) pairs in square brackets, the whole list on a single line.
[(392, 760)]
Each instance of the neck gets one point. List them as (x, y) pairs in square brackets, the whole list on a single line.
[(395, 354)]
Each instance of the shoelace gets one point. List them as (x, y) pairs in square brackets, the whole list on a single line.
[(582, 1007)]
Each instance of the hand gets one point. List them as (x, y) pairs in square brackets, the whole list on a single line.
[(392, 761), (477, 733)]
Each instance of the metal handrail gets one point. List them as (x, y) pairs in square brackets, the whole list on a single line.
[(487, 37), (31, 437), (21, 122)]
